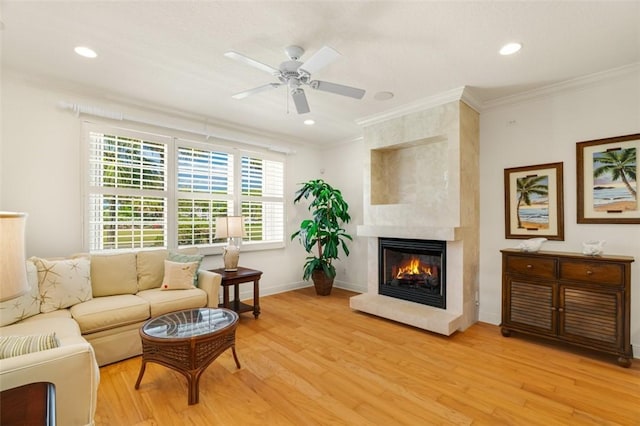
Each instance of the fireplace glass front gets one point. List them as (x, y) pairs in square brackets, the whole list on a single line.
[(413, 270)]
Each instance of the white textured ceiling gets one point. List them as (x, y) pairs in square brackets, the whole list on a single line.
[(169, 54)]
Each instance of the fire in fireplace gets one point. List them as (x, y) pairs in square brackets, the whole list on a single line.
[(413, 270)]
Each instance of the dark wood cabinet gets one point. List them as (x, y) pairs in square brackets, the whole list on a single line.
[(582, 300), (32, 404)]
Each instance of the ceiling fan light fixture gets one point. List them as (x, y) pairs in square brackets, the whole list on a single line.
[(294, 74), (510, 48), (85, 52)]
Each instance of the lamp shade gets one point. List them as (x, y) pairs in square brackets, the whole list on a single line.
[(13, 271), (230, 227)]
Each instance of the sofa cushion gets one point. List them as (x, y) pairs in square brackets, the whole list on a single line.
[(66, 329), (106, 312), (150, 268), (63, 283), (114, 274), (11, 346), (60, 313), (179, 276), (161, 302), (25, 306)]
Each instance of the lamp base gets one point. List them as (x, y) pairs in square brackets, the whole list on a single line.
[(231, 256)]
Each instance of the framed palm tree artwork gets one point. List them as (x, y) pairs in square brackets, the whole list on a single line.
[(533, 201), (607, 182)]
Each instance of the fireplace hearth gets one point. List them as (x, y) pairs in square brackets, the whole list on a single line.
[(413, 270)]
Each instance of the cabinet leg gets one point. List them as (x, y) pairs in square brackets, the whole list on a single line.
[(505, 332), (624, 361)]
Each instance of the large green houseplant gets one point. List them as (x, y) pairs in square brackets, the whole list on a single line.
[(323, 233)]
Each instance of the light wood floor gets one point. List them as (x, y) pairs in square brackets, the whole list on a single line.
[(310, 360)]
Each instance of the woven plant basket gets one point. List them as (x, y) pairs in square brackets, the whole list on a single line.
[(322, 283)]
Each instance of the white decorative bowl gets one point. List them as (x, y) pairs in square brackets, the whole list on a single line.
[(531, 245)]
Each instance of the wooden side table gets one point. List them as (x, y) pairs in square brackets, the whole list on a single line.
[(235, 278)]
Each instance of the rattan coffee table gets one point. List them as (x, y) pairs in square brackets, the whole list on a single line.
[(188, 341)]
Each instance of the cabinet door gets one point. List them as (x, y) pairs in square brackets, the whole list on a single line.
[(590, 316), (529, 305)]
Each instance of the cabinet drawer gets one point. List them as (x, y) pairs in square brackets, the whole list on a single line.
[(531, 266), (592, 272)]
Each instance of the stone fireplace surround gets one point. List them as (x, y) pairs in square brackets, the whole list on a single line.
[(422, 182)]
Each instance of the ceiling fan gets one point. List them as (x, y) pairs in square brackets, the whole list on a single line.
[(295, 74)]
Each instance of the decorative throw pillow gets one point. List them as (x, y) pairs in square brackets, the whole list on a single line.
[(178, 276), (150, 268), (63, 283), (184, 258), (25, 306), (22, 345)]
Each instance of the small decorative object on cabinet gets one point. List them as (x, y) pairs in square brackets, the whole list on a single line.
[(531, 245), (569, 297), (593, 248)]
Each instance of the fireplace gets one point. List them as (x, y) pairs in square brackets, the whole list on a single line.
[(413, 270)]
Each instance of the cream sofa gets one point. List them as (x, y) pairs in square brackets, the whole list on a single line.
[(126, 293), (103, 328)]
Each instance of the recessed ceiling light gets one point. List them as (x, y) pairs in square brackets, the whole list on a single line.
[(85, 51), (383, 96), (309, 122), (510, 48)]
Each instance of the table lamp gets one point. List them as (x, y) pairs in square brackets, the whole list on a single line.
[(13, 271), (231, 227)]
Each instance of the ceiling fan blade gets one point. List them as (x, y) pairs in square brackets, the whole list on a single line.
[(300, 100), (252, 62), (338, 89), (255, 90), (320, 59)]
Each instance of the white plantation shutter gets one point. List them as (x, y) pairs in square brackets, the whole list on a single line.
[(205, 191), (147, 190), (262, 201), (127, 192)]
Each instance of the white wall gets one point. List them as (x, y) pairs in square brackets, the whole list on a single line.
[(40, 173), (546, 130), (344, 169)]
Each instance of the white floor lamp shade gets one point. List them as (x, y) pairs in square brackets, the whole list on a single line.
[(231, 227), (13, 271)]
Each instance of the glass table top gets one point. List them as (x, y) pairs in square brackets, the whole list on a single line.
[(189, 323)]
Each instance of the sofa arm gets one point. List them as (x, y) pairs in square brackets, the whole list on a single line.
[(210, 283), (73, 371)]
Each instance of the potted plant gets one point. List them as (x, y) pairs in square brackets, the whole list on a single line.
[(323, 233)]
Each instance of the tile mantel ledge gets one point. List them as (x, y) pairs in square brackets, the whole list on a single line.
[(425, 233)]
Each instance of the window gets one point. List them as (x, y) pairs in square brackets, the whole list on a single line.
[(205, 191), (127, 201), (262, 199), (145, 190)]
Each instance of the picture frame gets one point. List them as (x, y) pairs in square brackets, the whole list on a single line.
[(607, 185), (533, 202)]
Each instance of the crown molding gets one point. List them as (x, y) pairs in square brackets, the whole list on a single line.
[(562, 86), (460, 93)]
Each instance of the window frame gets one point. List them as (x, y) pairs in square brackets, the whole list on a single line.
[(173, 142)]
